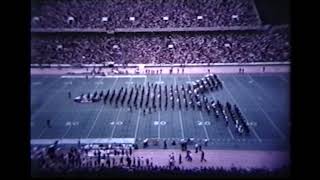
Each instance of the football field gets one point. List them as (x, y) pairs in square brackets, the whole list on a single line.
[(263, 99)]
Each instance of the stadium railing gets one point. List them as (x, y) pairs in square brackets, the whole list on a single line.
[(122, 30)]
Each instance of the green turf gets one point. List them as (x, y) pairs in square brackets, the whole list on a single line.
[(262, 98)]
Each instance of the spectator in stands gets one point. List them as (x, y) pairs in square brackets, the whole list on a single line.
[(110, 14), (228, 47)]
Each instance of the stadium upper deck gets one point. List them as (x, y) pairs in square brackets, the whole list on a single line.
[(112, 14)]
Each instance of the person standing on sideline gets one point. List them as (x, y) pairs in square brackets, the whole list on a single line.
[(196, 147), (49, 123), (165, 144), (69, 95), (202, 157), (180, 159)]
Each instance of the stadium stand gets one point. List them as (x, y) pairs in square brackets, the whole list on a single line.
[(68, 48), (142, 13)]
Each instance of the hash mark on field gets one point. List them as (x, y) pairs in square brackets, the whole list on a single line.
[(36, 83), (99, 83), (68, 83)]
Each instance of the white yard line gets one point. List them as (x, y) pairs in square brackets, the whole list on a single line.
[(46, 128), (137, 126), (42, 131), (266, 115), (283, 79), (136, 131), (189, 78), (114, 83), (230, 133), (234, 101), (94, 123), (74, 117), (115, 122), (263, 91), (180, 117), (46, 103), (204, 127), (228, 127), (100, 110), (159, 125), (182, 132)]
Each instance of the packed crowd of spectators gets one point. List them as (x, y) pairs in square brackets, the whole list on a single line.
[(142, 13), (194, 47), (118, 161)]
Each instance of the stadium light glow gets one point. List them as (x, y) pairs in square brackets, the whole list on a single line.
[(132, 18), (104, 19), (199, 17)]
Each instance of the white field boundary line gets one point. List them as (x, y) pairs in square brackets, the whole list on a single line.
[(180, 117), (265, 114), (104, 77), (204, 127), (107, 140), (84, 140), (100, 110), (159, 125), (115, 123), (263, 91), (234, 101), (138, 118)]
